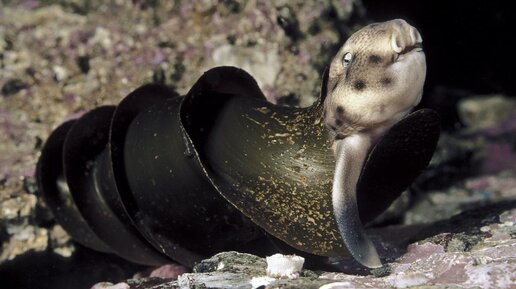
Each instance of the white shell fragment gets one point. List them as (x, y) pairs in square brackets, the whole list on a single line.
[(281, 266)]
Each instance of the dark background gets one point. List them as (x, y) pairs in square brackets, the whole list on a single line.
[(469, 44)]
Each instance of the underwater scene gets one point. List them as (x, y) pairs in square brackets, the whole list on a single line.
[(257, 144)]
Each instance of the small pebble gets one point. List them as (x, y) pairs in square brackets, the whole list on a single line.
[(169, 271), (108, 285), (485, 229), (383, 271)]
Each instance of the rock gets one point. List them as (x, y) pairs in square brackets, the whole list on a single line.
[(18, 207), (13, 86), (61, 242), (472, 192), (486, 111), (60, 73), (232, 262), (219, 280), (473, 249), (169, 271), (23, 238), (485, 262), (108, 285), (261, 61), (484, 146)]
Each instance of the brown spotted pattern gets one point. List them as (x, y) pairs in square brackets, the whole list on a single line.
[(368, 91)]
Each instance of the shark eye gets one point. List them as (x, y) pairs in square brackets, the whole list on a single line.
[(346, 59)]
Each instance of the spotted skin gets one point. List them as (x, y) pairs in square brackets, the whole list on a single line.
[(382, 75), (375, 79)]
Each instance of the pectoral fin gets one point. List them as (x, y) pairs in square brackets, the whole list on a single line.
[(351, 153)]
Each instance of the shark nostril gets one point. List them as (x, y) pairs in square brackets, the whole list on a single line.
[(397, 43), (411, 47)]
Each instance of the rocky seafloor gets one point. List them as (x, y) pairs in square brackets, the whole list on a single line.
[(454, 228)]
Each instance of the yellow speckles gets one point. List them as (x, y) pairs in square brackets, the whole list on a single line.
[(287, 190), (303, 179), (255, 121), (263, 109), (296, 169)]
